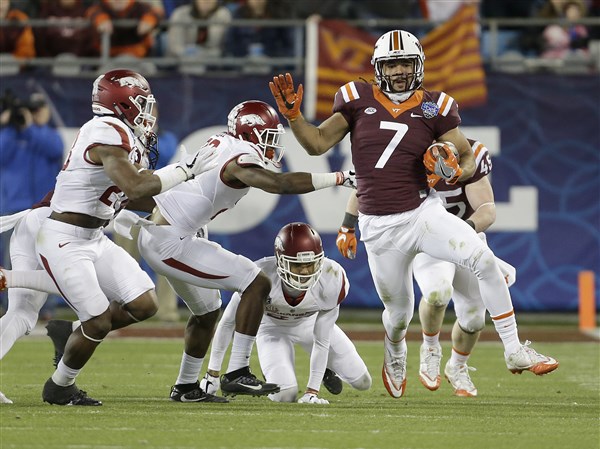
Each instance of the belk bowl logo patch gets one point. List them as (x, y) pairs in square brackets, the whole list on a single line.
[(430, 109)]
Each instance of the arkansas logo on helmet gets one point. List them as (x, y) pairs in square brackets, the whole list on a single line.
[(252, 120)]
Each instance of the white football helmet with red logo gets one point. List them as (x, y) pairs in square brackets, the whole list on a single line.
[(299, 244), (257, 122), (398, 44), (126, 95)]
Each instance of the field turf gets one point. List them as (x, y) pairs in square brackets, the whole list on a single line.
[(132, 376)]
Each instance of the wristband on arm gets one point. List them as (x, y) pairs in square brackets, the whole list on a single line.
[(170, 176)]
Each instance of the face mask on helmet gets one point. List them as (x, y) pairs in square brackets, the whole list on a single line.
[(299, 254), (126, 95), (257, 122), (399, 47), (149, 141)]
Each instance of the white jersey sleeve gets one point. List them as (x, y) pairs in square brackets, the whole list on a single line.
[(82, 186), (193, 204)]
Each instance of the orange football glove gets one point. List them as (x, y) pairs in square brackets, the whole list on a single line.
[(441, 160), (288, 100), (432, 179), (346, 242)]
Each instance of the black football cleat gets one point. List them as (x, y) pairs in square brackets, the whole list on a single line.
[(71, 395), (332, 382), (193, 393), (242, 381)]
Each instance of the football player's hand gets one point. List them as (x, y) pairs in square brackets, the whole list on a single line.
[(311, 398), (346, 178), (210, 384), (288, 100), (441, 160), (203, 160), (432, 179), (346, 242)]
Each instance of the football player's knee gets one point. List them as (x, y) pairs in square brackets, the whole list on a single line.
[(472, 323), (285, 395), (143, 307), (97, 328), (440, 297), (483, 263), (363, 383)]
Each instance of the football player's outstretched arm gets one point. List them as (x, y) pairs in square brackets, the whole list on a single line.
[(315, 140), (124, 174), (481, 199), (288, 183), (467, 160), (141, 184), (346, 240)]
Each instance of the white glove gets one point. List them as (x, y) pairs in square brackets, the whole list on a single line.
[(210, 384), (203, 160), (346, 178), (311, 398)]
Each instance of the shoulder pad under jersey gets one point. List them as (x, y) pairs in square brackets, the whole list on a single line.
[(248, 159)]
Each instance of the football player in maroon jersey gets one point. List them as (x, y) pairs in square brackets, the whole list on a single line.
[(392, 122)]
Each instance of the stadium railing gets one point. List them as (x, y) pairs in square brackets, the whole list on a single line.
[(496, 36)]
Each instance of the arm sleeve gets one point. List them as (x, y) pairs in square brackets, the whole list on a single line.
[(320, 351)]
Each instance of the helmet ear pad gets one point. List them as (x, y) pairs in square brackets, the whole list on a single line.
[(298, 243)]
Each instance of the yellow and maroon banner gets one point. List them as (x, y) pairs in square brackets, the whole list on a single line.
[(452, 60)]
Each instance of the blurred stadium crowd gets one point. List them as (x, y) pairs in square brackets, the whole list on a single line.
[(215, 28)]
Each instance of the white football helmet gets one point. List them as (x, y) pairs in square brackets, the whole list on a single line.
[(398, 44)]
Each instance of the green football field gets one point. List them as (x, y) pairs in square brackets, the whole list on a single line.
[(132, 376)]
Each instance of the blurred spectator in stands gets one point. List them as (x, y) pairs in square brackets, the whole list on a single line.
[(508, 38), (561, 40), (169, 6), (259, 41), (386, 9), (135, 40), (62, 36), (31, 155), (326, 9), (594, 11), (31, 152), (188, 39), (17, 37)]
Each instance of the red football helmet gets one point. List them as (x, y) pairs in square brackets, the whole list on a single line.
[(299, 254), (257, 122), (125, 94)]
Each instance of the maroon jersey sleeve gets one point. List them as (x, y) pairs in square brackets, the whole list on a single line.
[(388, 142)]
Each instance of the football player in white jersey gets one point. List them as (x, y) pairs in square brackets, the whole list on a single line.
[(197, 268), (24, 305), (306, 292), (392, 122), (104, 169)]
